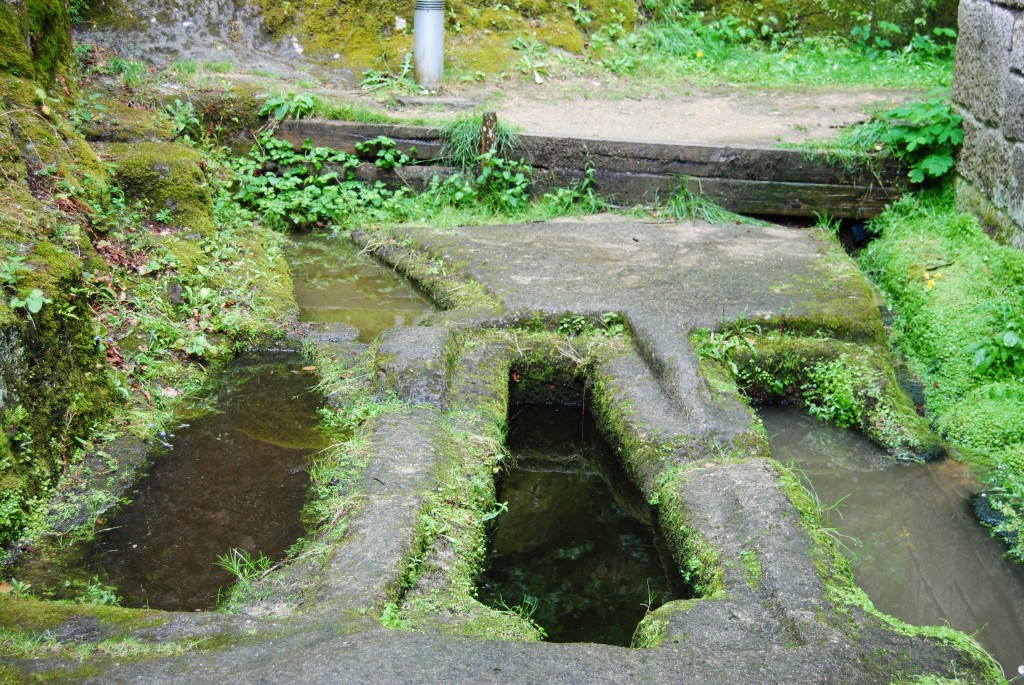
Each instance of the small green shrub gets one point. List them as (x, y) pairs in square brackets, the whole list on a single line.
[(462, 141), (293, 105), (831, 392), (1002, 354), (387, 155), (399, 82), (926, 135)]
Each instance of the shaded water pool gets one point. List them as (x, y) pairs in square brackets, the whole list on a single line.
[(335, 283), (233, 478), (923, 555), (585, 559)]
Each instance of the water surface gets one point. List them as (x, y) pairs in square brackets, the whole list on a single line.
[(335, 283), (566, 544), (923, 555), (232, 478)]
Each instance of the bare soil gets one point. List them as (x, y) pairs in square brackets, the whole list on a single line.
[(721, 115)]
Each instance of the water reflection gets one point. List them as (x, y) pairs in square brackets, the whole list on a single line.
[(334, 283), (565, 543), (924, 557), (235, 478)]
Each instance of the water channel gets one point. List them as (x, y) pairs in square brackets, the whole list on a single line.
[(922, 556), (234, 477), (576, 541), (336, 283)]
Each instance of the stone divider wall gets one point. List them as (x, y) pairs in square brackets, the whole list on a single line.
[(988, 88)]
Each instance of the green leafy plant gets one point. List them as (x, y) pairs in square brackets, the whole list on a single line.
[(87, 109), (130, 71), (502, 183), (1002, 354), (99, 593), (293, 105), (184, 119), (926, 135), (533, 57), (871, 37), (387, 155), (33, 302), (398, 81), (12, 269), (580, 14), (831, 393)]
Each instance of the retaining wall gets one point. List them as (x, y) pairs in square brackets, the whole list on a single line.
[(988, 88)]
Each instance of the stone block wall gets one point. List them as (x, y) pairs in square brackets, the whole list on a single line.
[(988, 88)]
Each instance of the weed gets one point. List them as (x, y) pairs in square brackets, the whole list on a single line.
[(98, 593), (388, 156), (246, 568), (290, 105), (13, 269), (462, 141), (832, 392), (398, 81), (184, 119), (926, 135), (1001, 355), (87, 109), (686, 205)]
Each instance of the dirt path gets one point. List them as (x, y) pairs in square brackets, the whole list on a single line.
[(722, 115)]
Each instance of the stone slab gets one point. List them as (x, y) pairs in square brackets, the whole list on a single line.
[(1017, 48), (413, 361), (667, 279), (366, 566), (983, 59), (1013, 110)]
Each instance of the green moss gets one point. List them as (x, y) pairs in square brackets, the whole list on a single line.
[(51, 369), (651, 631), (35, 39), (752, 569), (119, 122), (989, 416), (478, 34), (949, 282), (996, 222), (15, 55), (441, 281), (32, 616), (166, 176), (851, 384), (698, 562)]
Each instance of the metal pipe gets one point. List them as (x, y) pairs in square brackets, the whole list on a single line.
[(428, 43)]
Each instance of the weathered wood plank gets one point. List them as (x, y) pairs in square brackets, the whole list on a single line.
[(745, 179)]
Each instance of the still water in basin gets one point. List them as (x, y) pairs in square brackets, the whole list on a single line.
[(923, 555), (566, 544), (233, 478), (334, 283)]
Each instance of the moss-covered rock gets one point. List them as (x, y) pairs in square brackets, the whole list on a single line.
[(121, 123), (53, 390), (165, 176), (35, 38), (478, 32)]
